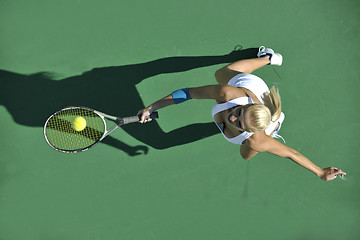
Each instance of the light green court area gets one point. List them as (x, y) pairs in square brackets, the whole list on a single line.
[(166, 180)]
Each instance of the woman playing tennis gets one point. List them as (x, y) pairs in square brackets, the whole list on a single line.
[(246, 111)]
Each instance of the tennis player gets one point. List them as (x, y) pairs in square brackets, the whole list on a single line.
[(246, 112)]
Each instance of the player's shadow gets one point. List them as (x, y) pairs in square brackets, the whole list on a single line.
[(30, 99)]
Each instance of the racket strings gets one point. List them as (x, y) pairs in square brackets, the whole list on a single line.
[(61, 135)]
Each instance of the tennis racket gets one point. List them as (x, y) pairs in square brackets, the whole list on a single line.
[(62, 136)]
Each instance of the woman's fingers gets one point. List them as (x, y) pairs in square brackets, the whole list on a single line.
[(339, 171), (342, 174), (144, 119), (332, 172), (148, 120), (144, 116), (336, 172)]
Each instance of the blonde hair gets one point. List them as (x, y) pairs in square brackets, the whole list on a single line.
[(260, 115), (259, 118), (272, 101)]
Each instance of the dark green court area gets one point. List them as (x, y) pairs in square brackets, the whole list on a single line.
[(176, 178)]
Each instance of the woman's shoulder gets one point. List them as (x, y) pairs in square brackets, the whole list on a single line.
[(258, 139)]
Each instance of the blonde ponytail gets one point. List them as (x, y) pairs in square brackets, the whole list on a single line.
[(273, 102)]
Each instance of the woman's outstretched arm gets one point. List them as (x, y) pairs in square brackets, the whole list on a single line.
[(263, 143), (221, 93)]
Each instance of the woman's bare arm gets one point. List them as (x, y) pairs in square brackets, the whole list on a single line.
[(246, 151), (263, 143), (220, 93)]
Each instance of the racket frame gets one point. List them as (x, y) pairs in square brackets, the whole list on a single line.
[(118, 120)]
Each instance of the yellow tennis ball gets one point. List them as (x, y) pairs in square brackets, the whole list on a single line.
[(78, 124)]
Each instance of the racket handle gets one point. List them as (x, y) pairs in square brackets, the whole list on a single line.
[(126, 120)]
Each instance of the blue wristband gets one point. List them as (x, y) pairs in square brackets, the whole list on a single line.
[(181, 95)]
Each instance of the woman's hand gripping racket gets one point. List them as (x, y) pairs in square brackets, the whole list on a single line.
[(76, 129)]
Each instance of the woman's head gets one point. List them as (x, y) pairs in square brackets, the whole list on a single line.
[(250, 117), (257, 118)]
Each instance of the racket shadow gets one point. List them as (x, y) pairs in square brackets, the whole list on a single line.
[(30, 99)]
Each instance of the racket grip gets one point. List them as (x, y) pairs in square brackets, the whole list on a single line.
[(126, 120)]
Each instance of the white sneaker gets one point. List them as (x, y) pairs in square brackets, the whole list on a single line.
[(275, 58)]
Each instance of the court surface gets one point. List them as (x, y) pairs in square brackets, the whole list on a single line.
[(159, 180)]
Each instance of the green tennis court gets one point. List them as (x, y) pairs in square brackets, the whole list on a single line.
[(173, 178)]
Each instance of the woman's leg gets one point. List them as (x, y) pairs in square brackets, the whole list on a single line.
[(223, 75), (249, 65)]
